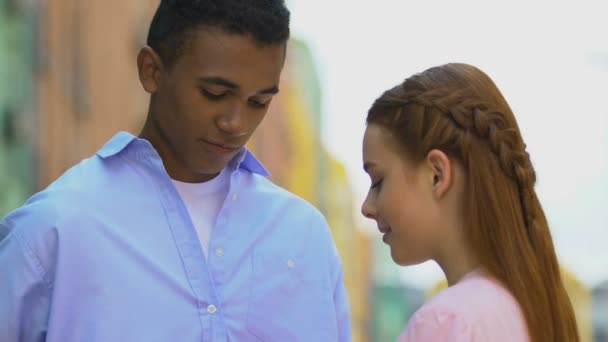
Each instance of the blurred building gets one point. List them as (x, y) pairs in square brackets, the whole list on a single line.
[(87, 83), (17, 103), (600, 312), (392, 307)]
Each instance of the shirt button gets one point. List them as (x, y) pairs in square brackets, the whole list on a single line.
[(211, 309), (234, 197), (219, 252), (291, 264)]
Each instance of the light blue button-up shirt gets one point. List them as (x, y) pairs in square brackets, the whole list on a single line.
[(108, 253)]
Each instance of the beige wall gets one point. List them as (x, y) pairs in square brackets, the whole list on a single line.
[(88, 87)]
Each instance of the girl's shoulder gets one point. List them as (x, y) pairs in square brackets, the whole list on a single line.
[(478, 307)]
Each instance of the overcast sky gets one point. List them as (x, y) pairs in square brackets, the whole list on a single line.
[(550, 61)]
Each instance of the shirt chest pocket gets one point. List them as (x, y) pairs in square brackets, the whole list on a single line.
[(288, 297)]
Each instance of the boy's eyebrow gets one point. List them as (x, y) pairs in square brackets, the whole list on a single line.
[(219, 81), (231, 85)]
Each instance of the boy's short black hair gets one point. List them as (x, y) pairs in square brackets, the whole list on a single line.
[(266, 21)]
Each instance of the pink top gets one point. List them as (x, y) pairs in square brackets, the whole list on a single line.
[(475, 309)]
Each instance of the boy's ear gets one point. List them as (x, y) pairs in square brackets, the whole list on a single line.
[(149, 66)]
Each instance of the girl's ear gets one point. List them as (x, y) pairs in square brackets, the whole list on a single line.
[(440, 172)]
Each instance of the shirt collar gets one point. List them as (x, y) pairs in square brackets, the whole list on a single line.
[(116, 144), (244, 159)]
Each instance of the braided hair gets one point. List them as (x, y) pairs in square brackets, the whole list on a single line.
[(457, 108)]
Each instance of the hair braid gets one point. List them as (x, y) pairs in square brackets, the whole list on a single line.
[(481, 119)]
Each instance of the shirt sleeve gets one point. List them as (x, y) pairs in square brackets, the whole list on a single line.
[(342, 308), (24, 294), (436, 325)]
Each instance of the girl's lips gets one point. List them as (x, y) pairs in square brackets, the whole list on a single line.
[(386, 236), (386, 231)]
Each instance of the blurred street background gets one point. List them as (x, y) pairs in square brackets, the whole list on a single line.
[(68, 82)]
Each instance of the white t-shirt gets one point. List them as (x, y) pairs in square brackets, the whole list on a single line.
[(203, 201)]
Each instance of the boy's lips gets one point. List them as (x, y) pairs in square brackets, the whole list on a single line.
[(220, 148)]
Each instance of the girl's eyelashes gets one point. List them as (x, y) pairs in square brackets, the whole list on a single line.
[(376, 184)]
